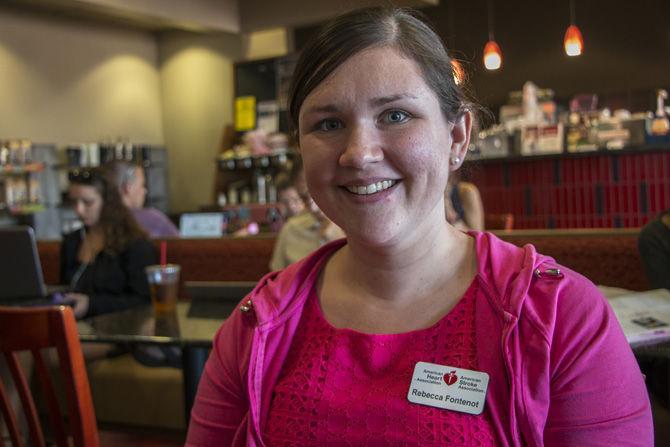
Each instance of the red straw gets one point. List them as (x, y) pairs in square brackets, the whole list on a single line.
[(163, 253)]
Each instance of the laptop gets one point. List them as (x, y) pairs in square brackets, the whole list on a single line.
[(216, 299), (201, 225), (21, 280)]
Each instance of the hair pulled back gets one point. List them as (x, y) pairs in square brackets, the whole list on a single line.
[(365, 28), (117, 222)]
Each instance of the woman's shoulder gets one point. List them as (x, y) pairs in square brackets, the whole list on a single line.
[(524, 280), (468, 191)]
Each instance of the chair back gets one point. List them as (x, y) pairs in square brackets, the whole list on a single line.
[(32, 330)]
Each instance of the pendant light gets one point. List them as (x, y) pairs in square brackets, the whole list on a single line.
[(573, 41), (492, 53)]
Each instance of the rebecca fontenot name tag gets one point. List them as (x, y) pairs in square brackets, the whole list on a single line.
[(448, 387)]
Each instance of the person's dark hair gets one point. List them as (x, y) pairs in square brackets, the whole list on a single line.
[(365, 28), (117, 222)]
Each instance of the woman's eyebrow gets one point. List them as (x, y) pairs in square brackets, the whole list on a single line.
[(376, 102), (380, 101), (328, 108)]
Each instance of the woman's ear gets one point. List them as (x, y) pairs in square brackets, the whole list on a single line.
[(460, 140)]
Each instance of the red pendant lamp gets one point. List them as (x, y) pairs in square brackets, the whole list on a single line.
[(492, 53), (573, 42)]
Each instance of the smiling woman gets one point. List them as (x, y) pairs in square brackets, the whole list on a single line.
[(333, 349)]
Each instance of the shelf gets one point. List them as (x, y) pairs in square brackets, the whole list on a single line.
[(244, 163), (601, 151), (20, 210), (21, 169)]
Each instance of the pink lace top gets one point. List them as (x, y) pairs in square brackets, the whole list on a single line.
[(342, 387)]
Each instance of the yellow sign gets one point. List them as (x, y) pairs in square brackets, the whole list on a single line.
[(245, 113)]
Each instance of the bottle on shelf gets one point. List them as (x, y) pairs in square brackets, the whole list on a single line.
[(4, 153), (660, 125)]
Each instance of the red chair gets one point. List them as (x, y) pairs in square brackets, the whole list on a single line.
[(34, 329)]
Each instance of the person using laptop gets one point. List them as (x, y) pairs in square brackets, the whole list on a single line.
[(103, 262), (131, 182)]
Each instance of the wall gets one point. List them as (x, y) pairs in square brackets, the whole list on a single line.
[(197, 91), (67, 82), (264, 44), (214, 15)]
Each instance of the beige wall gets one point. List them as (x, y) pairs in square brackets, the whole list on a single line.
[(197, 92), (65, 82), (267, 43), (214, 15)]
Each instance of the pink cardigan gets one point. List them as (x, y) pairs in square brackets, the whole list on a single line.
[(561, 370)]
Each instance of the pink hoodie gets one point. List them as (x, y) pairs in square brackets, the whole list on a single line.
[(561, 370)]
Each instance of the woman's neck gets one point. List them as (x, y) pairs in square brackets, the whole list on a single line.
[(410, 269), (92, 244)]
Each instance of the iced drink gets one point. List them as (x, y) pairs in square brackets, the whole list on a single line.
[(164, 285)]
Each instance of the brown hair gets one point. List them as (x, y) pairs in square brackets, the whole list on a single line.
[(350, 33), (118, 224)]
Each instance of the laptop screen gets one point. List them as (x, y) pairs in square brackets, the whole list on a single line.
[(20, 268), (201, 225)]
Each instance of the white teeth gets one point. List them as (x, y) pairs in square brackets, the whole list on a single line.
[(371, 188)]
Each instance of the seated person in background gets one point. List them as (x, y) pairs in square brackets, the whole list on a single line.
[(130, 181), (463, 205), (290, 202), (302, 234), (104, 261), (654, 246)]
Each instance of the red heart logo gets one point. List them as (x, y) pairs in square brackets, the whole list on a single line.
[(450, 378)]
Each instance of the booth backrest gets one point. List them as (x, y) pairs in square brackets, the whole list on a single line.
[(221, 259), (607, 257)]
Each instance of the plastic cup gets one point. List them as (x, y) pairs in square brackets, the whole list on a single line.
[(164, 285)]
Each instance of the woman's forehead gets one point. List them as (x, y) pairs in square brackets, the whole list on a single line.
[(376, 72), (83, 190)]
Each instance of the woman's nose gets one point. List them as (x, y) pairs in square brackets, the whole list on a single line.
[(79, 208), (363, 146)]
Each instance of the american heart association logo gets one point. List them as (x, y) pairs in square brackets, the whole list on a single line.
[(450, 378)]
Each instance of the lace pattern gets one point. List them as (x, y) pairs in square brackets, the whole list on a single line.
[(345, 388)]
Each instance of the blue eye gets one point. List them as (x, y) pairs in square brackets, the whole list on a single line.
[(396, 116), (328, 125)]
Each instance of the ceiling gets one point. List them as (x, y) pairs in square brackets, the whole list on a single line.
[(232, 16)]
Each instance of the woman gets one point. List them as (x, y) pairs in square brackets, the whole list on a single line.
[(410, 332), (104, 261), (302, 234), (463, 205)]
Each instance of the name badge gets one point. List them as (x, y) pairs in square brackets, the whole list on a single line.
[(448, 387)]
